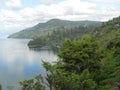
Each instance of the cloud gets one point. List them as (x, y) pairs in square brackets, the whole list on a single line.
[(65, 8), (78, 7), (9, 18), (108, 12), (107, 1), (13, 4), (12, 21), (45, 1), (26, 17), (2, 0)]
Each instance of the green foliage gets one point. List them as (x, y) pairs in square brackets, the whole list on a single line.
[(0, 87), (33, 84), (80, 55), (117, 58), (27, 84), (37, 43), (39, 83), (54, 41), (77, 67), (110, 66), (84, 65), (109, 36), (109, 31), (86, 81), (58, 79), (10, 87)]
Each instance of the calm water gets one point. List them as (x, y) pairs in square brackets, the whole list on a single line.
[(18, 62)]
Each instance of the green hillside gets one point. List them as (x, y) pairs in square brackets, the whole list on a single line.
[(55, 40), (109, 31), (43, 29), (106, 33)]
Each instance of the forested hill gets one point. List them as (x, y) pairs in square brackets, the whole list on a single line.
[(108, 31), (55, 40), (43, 29)]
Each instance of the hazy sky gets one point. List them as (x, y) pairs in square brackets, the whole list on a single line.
[(16, 15)]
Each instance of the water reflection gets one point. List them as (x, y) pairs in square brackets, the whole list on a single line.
[(18, 62)]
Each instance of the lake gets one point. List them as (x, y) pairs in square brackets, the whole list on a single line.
[(18, 62)]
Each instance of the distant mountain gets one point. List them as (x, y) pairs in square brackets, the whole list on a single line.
[(106, 33), (43, 29)]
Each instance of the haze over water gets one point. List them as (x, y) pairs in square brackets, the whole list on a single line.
[(18, 62)]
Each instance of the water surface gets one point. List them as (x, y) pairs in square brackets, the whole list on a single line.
[(18, 62)]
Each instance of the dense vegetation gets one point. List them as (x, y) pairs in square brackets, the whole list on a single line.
[(89, 63), (47, 28), (55, 40), (92, 63), (109, 31), (82, 65)]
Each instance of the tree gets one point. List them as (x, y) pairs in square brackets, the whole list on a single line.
[(27, 84), (78, 66), (58, 79), (0, 87), (117, 58), (10, 87), (36, 83), (86, 81), (77, 56), (39, 83)]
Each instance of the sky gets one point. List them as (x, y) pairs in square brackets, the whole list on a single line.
[(16, 15)]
